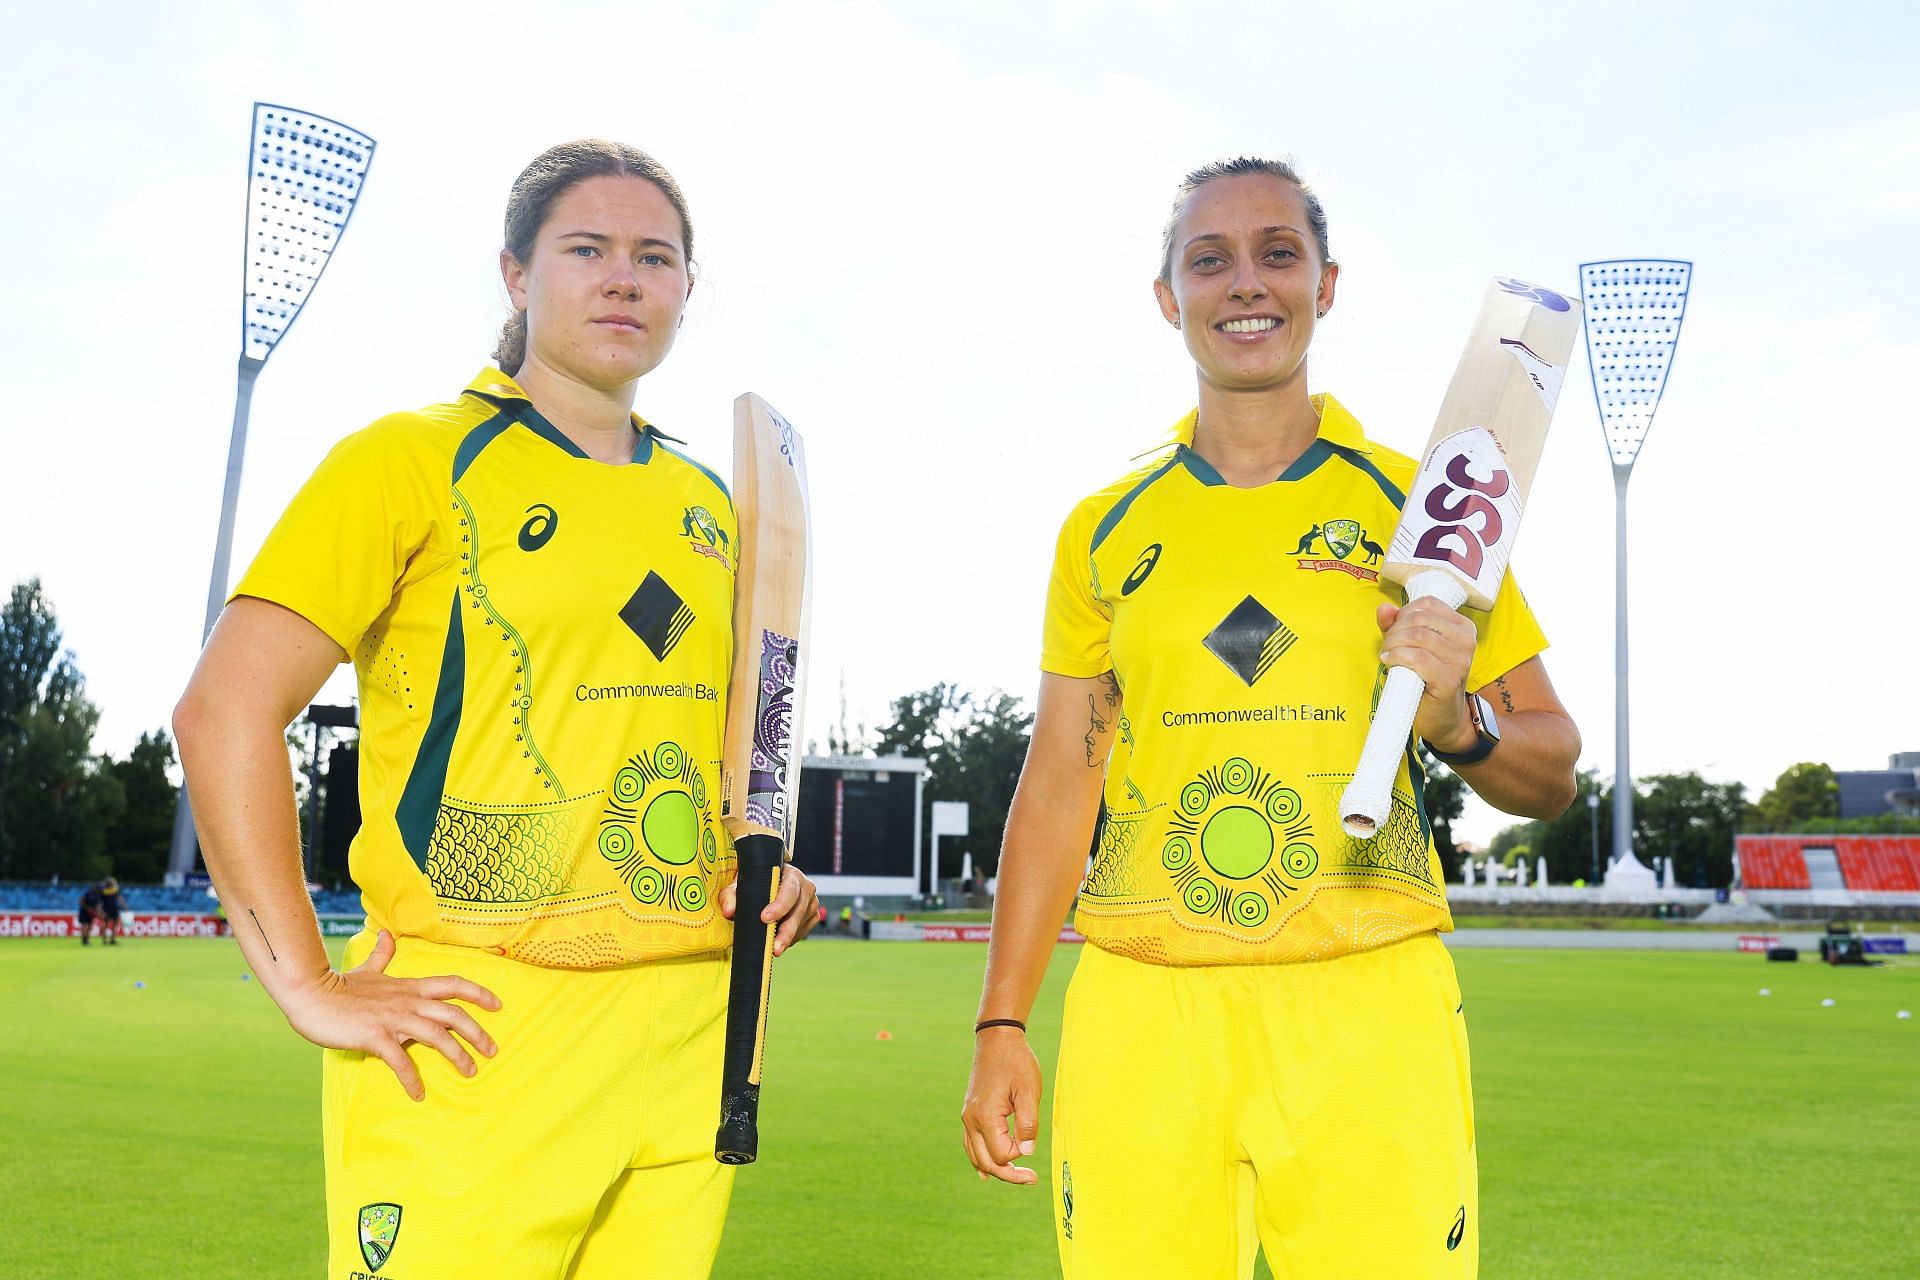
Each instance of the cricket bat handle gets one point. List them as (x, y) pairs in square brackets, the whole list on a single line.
[(1368, 799), (760, 859)]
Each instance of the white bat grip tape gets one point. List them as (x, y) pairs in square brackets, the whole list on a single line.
[(1368, 799)]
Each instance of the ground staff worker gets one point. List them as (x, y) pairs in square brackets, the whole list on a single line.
[(535, 591), (1264, 1043)]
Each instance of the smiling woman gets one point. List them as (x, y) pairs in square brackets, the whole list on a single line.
[(551, 861), (1264, 1043)]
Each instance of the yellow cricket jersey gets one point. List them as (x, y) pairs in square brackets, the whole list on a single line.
[(542, 644), (1239, 624)]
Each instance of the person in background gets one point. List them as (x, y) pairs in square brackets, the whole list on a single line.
[(101, 906)]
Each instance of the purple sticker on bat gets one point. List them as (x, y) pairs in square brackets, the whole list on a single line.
[(1544, 296), (773, 734), (788, 440)]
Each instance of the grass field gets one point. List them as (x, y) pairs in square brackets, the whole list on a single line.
[(1640, 1115)]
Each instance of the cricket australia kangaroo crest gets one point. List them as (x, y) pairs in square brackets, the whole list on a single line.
[(1340, 539)]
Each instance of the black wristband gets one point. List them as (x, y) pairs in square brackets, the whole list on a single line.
[(1486, 731), (1479, 751), (978, 1027)]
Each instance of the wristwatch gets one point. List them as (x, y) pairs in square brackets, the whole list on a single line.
[(1486, 734)]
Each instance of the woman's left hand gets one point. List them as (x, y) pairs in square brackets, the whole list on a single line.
[(796, 905), (1437, 644)]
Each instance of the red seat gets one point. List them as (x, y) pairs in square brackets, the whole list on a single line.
[(1772, 862), (1887, 864)]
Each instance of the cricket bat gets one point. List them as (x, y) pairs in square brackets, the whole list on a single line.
[(1458, 525), (760, 757)]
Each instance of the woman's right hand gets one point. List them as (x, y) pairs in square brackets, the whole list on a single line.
[(365, 1010), (1005, 1082), (1049, 828)]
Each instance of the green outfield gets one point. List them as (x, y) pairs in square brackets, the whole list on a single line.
[(1640, 1115)]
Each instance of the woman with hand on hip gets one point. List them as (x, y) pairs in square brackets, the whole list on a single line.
[(541, 632)]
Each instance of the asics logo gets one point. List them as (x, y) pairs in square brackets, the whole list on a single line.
[(538, 529), (1148, 559)]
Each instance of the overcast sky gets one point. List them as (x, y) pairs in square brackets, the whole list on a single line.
[(927, 234)]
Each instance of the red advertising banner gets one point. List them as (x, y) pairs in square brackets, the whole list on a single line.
[(1758, 941), (62, 924), (976, 933)]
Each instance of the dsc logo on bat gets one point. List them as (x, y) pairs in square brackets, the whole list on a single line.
[(1462, 513), (1455, 504)]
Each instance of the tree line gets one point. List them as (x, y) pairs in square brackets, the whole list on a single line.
[(66, 811), (1685, 817)]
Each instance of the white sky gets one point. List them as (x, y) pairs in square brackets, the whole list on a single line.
[(927, 235)]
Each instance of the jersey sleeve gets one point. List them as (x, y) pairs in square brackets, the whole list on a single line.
[(352, 532), (1508, 635), (1074, 639)]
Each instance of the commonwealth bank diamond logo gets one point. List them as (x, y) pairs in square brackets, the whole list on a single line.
[(658, 615), (1250, 640), (379, 1228)]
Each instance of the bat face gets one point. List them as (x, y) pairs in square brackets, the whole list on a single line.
[(1467, 499), (760, 762), (1462, 512), (1458, 523), (759, 770)]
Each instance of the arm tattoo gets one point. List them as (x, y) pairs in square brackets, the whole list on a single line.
[(1110, 690), (263, 936), (1095, 727), (1506, 695)]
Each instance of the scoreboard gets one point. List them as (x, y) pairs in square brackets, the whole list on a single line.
[(858, 828)]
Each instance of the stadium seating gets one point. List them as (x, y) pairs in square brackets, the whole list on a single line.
[(1888, 864), (1772, 862), (1870, 864)]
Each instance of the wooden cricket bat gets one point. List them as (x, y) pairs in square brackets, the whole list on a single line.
[(1458, 525), (760, 760)]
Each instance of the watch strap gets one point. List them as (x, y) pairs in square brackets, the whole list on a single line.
[(1484, 742)]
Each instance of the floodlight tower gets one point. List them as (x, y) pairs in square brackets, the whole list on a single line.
[(1633, 309), (304, 176)]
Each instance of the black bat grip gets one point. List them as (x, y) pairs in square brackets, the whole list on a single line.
[(759, 859)]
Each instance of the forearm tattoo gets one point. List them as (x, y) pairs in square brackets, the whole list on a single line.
[(1096, 723), (263, 936), (1506, 694), (1095, 727)]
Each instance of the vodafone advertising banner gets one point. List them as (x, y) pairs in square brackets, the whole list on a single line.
[(62, 924)]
